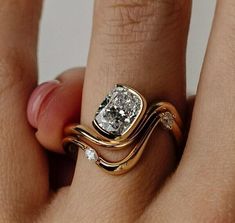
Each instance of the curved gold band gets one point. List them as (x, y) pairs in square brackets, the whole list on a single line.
[(162, 113)]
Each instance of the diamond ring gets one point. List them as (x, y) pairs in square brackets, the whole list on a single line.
[(122, 121)]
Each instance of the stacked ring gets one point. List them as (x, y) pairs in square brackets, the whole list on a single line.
[(123, 120)]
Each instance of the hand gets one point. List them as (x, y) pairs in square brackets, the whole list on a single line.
[(141, 44)]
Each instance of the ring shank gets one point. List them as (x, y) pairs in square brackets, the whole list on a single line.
[(84, 137)]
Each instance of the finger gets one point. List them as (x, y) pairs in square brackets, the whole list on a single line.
[(23, 170), (140, 44), (206, 175), (53, 105)]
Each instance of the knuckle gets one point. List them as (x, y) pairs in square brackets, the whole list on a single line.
[(120, 24), (130, 22)]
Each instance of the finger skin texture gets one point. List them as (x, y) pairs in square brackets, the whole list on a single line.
[(23, 167), (58, 108), (203, 188), (140, 44)]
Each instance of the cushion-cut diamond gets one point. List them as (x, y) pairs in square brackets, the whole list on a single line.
[(118, 111)]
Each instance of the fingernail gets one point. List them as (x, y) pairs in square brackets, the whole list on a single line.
[(36, 100)]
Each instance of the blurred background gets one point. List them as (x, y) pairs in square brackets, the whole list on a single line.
[(66, 29)]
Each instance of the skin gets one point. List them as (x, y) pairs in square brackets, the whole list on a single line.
[(141, 44)]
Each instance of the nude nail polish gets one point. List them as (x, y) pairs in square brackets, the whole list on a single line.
[(39, 95)]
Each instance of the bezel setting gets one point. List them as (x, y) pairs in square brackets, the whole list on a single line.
[(119, 113), (123, 122)]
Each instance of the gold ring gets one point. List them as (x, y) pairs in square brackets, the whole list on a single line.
[(123, 120)]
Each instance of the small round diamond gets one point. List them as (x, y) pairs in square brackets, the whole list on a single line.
[(167, 120), (91, 154)]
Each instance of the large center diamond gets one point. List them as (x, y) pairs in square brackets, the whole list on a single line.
[(119, 110)]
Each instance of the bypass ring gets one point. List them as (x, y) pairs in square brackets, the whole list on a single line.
[(122, 121)]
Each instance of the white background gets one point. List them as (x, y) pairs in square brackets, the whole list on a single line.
[(66, 28)]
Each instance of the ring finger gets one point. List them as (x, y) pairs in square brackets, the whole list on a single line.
[(140, 44)]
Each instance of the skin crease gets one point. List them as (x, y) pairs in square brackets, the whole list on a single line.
[(141, 43)]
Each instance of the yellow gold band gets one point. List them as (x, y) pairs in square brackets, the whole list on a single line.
[(137, 135)]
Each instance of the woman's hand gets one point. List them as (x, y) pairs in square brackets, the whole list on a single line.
[(142, 44)]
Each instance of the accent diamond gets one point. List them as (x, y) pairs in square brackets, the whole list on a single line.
[(91, 154), (118, 111), (167, 120)]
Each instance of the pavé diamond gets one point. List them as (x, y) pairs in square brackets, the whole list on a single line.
[(118, 111), (91, 154), (167, 120)]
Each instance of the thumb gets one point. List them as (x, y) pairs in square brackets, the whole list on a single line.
[(54, 104)]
